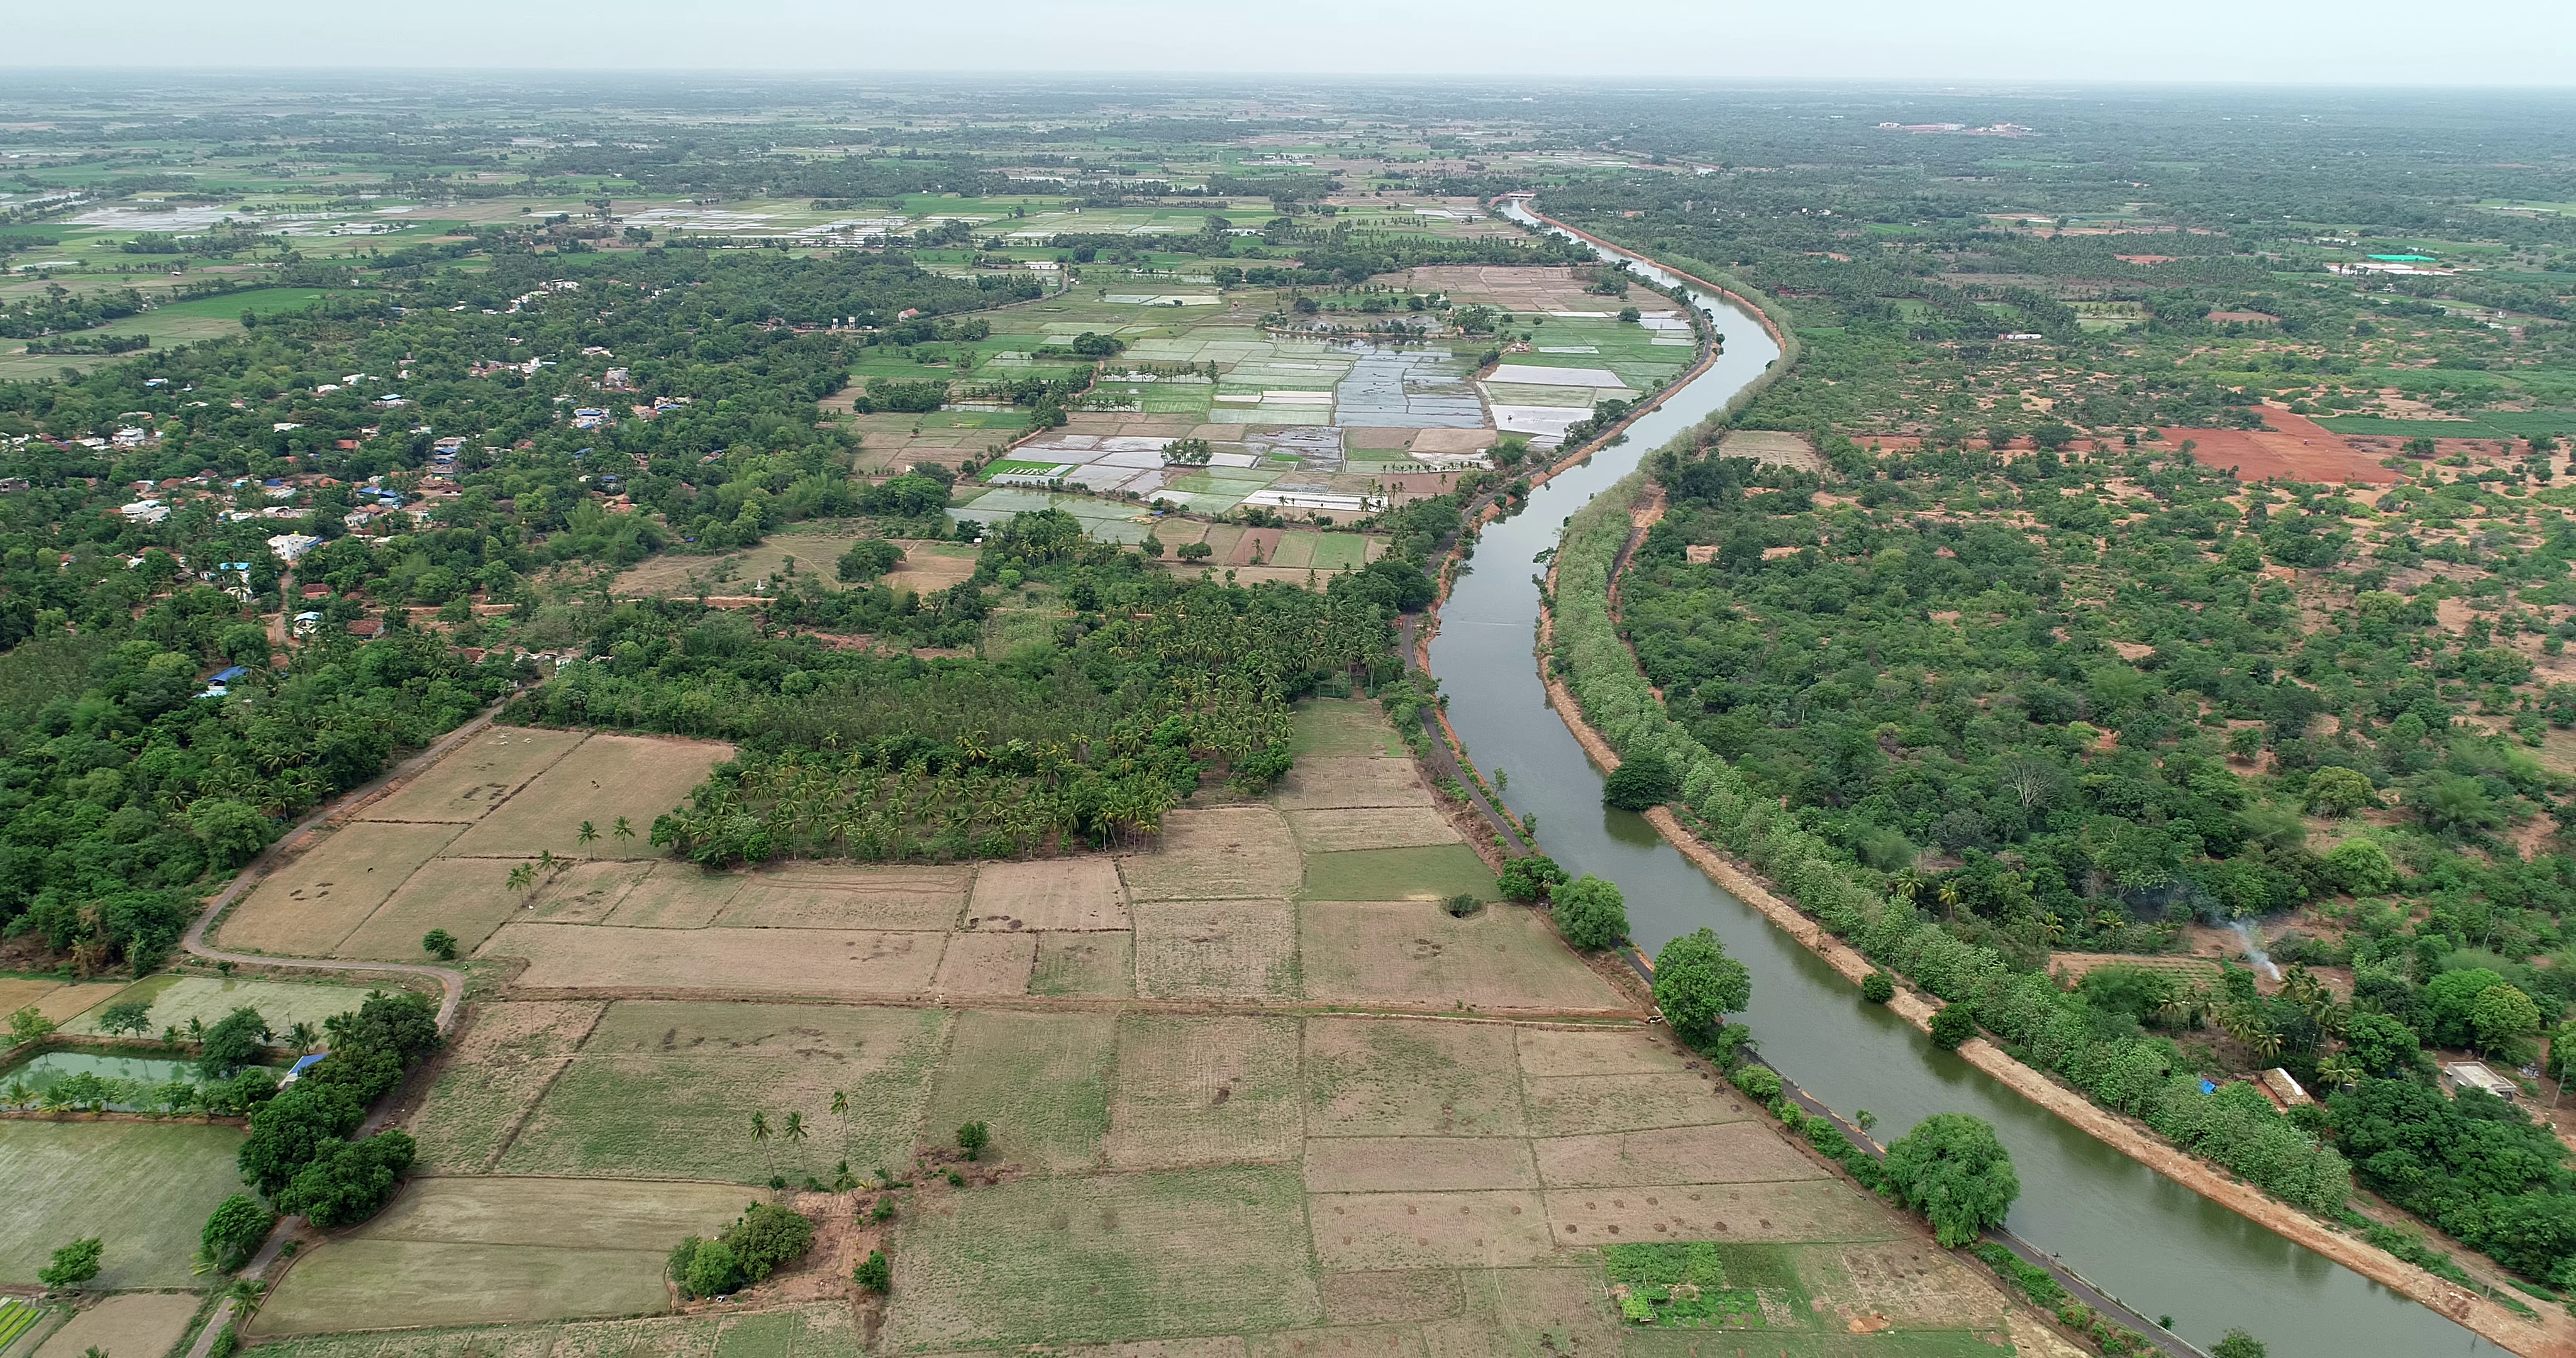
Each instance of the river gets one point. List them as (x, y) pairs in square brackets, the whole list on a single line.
[(2139, 1236)]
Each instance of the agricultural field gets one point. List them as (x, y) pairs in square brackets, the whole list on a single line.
[(136, 1322), (441, 850), (175, 1000), (1226, 1167), (143, 1187), (808, 550)]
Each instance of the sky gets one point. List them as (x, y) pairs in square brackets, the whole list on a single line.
[(2342, 42)]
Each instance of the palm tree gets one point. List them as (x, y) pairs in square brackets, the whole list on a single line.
[(523, 876), (841, 1109), (1950, 900), (303, 1037), (760, 1129), (623, 829), (587, 835), (794, 1131), (2342, 1072)]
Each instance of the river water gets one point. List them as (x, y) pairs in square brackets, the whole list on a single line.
[(2139, 1236)]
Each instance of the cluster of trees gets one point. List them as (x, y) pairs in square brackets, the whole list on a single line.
[(1152, 682), (303, 1153), (2022, 1006), (122, 785), (764, 1239), (2072, 718)]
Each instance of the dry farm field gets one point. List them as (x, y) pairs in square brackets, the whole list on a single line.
[(1250, 1089)]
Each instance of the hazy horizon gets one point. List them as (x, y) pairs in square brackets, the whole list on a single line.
[(2494, 44)]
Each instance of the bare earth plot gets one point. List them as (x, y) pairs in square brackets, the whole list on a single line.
[(1414, 952), (141, 1322), (665, 1090), (468, 783), (606, 777), (306, 907)]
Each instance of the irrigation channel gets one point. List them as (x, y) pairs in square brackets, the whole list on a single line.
[(2152, 1243)]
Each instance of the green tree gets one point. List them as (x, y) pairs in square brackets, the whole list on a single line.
[(132, 1018), (973, 1138), (1530, 877), (236, 1040), (73, 1264), (2339, 792), (1953, 1170), (1641, 782), (1953, 1026), (2452, 805), (2360, 867), (766, 1238), (1697, 985), (232, 831), (1878, 987), (348, 1181), (2503, 1018), (234, 1231), (868, 559), (440, 944), (2239, 1344), (28, 1024), (1591, 913), (2380, 1044)]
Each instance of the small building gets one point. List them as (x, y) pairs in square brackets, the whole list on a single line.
[(302, 1064), (2285, 1088), (2461, 1075), (289, 546)]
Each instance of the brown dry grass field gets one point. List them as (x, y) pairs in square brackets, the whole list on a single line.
[(927, 567), (1226, 1120), (137, 1322)]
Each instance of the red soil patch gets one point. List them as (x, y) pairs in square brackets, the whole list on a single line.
[(2294, 447), (1265, 541)]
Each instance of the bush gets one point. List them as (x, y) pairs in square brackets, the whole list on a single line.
[(1591, 913), (868, 559), (234, 1232), (1462, 905), (2360, 867), (1531, 878), (1953, 1170), (766, 1238), (1953, 1026), (1760, 1083), (973, 1138), (1877, 988), (1640, 782), (713, 1271), (873, 1274), (440, 944)]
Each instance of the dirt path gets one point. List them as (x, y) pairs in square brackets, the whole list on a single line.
[(2547, 1337)]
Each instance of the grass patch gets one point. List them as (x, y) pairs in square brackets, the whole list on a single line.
[(1434, 872), (1677, 1285), (145, 1187), (1134, 1256)]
